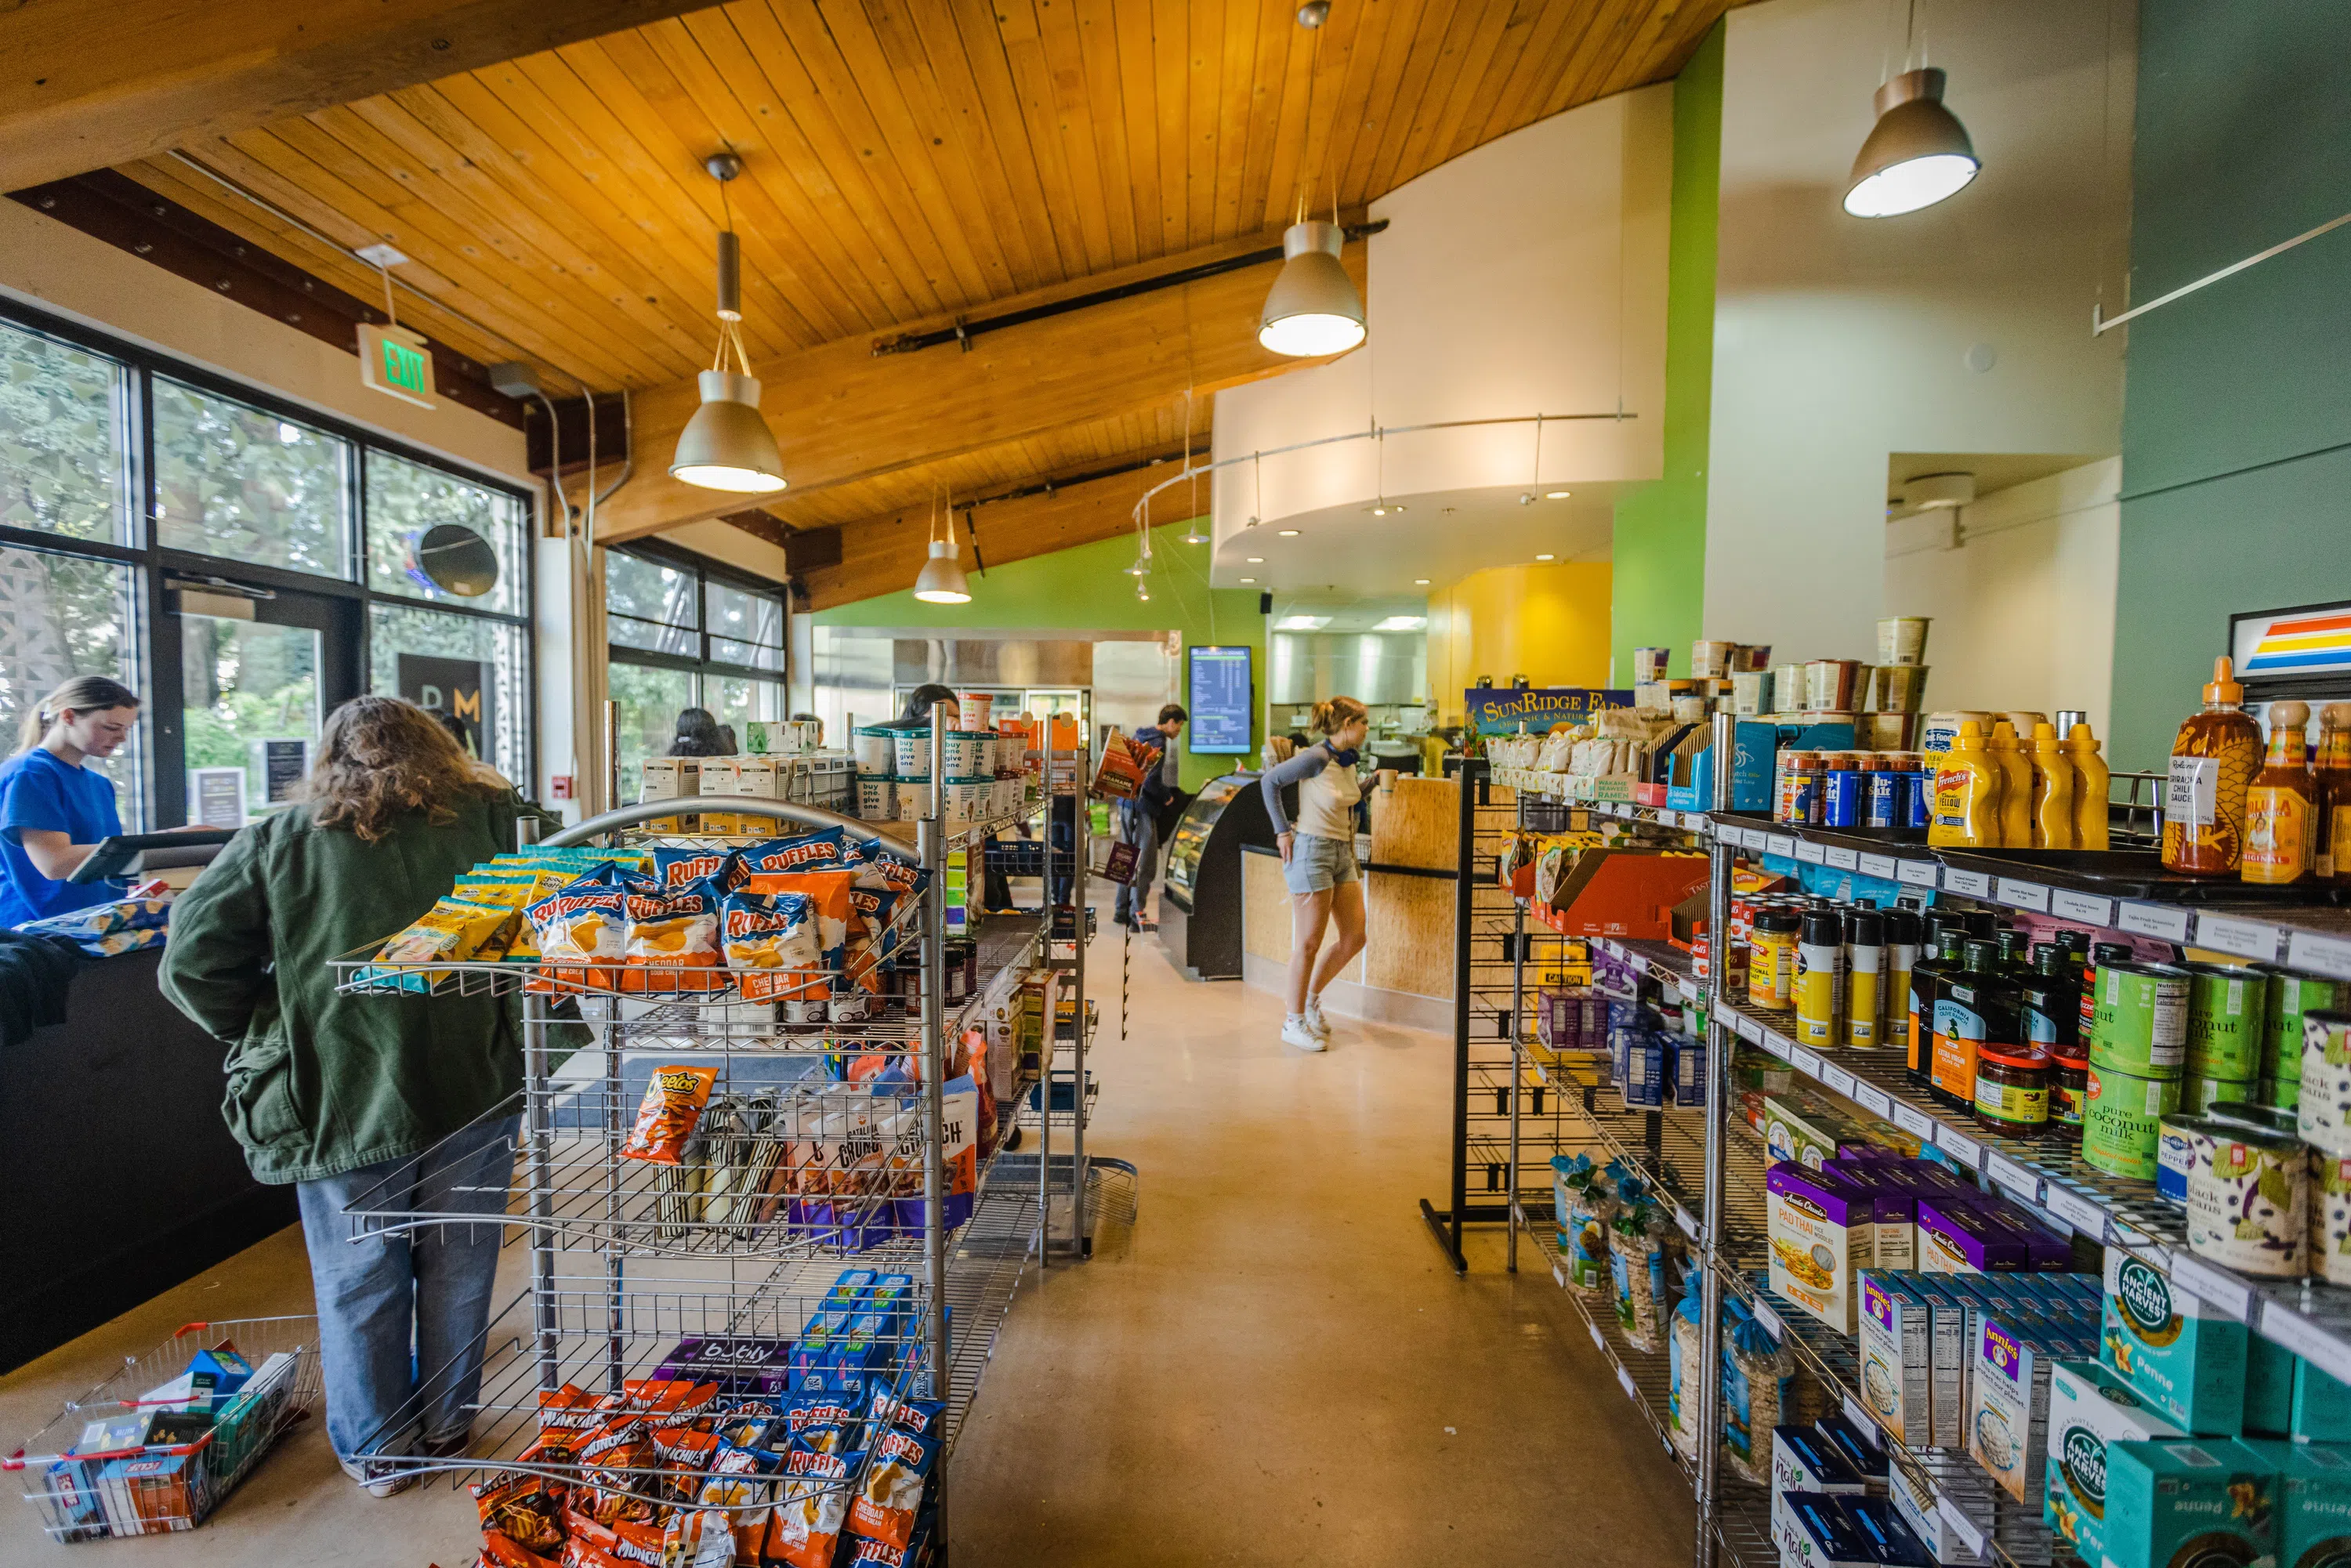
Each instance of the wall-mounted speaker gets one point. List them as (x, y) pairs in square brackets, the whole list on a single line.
[(1265, 604)]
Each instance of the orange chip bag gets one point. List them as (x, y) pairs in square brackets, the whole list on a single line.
[(668, 1114), (672, 929), (828, 894)]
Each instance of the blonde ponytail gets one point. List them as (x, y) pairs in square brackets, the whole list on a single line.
[(83, 693), (1334, 714)]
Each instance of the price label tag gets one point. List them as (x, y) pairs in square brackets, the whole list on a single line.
[(1804, 1061), (2246, 938), (1756, 839), (2076, 1210), (1974, 884), (2081, 906), (1844, 859), (2306, 1340), (1913, 1122), (1863, 1422), (1559, 1274), (1595, 1335), (1777, 1044), (2201, 1279), (1961, 1525), (1689, 989), (1780, 844), (1625, 1381), (1836, 1077), (1918, 874), (1749, 1029), (1964, 1149), (2319, 955), (2019, 1181), (1687, 1220), (1872, 1099), (1771, 1324), (1811, 853), (2152, 920), (1881, 866), (2023, 894)]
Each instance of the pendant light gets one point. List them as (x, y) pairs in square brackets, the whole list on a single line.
[(941, 580), (726, 445), (1917, 154), (1312, 307)]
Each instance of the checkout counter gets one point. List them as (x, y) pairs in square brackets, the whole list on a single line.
[(124, 1179), (1200, 908)]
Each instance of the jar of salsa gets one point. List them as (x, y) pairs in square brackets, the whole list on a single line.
[(2013, 1089), (2069, 1090)]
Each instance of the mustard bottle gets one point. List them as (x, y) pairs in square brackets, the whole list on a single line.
[(2279, 808), (2054, 783), (2015, 787), (2090, 787), (1967, 794)]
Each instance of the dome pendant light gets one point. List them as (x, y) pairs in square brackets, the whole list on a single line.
[(726, 445), (1312, 307), (941, 580), (1917, 154)]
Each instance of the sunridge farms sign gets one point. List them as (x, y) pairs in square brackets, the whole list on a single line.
[(394, 360)]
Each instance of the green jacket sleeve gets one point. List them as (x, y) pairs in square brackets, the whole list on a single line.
[(216, 961)]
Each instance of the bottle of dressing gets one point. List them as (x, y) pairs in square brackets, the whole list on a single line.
[(2213, 759), (2280, 814)]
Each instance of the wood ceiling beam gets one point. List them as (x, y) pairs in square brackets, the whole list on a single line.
[(841, 414), (883, 554), (88, 83)]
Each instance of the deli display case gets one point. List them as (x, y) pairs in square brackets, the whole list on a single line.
[(1200, 911)]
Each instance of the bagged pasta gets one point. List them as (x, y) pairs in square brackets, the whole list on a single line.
[(668, 1113), (769, 940), (672, 930), (1757, 1374)]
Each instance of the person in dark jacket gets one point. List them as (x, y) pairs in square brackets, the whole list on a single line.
[(699, 734), (407, 1100), (1138, 820)]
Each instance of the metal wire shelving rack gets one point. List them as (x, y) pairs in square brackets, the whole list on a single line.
[(828, 1142)]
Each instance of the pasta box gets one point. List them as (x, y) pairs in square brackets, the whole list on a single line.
[(2089, 1408), (2008, 1415), (1816, 1225), (2182, 1356), (2313, 1501), (1955, 1237), (2191, 1500)]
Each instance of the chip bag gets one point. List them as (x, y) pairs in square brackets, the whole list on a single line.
[(812, 1508), (584, 927), (668, 1114), (828, 896), (886, 865), (681, 868), (896, 1479), (871, 938), (527, 1508), (769, 941), (450, 930), (804, 851), (501, 1551), (674, 931)]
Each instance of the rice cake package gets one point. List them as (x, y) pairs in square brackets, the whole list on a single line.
[(2314, 1502), (1818, 1226), (2182, 1356), (2089, 1408), (2197, 1502)]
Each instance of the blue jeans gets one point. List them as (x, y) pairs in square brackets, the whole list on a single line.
[(1139, 826), (401, 1316)]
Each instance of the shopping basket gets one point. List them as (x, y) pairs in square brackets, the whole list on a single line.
[(89, 1484)]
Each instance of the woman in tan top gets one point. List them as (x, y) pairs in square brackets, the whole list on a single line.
[(1319, 861)]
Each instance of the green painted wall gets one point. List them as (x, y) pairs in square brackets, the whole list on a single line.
[(1086, 588), (2237, 409), (1659, 554)]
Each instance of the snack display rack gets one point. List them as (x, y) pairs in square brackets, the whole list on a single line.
[(1722, 1208), (828, 1144)]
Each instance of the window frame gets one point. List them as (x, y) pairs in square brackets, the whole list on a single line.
[(702, 666), (155, 637)]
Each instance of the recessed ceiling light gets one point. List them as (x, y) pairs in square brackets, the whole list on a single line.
[(1248, 579), (1403, 623), (1255, 560), (1301, 624), (1420, 583), (1557, 495), (1384, 507), (1542, 557), (1287, 533)]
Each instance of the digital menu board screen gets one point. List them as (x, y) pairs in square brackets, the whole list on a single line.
[(1223, 698)]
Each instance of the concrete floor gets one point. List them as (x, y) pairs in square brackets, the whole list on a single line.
[(1273, 1366)]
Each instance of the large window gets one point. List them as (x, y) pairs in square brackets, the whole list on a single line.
[(292, 563), (686, 633)]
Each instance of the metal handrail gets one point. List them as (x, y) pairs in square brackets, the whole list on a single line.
[(647, 811)]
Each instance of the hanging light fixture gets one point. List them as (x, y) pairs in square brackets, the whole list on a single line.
[(726, 445), (941, 580), (1917, 154), (1312, 307), (1192, 534)]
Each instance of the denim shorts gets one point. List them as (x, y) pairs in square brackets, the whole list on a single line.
[(1318, 864)]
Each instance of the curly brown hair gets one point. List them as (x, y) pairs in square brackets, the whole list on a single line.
[(380, 758)]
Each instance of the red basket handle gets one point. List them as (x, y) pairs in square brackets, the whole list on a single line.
[(185, 1329)]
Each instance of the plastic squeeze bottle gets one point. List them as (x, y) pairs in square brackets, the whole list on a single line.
[(2331, 832), (1968, 785), (2054, 783), (2213, 759), (2015, 787), (2279, 810), (2090, 785)]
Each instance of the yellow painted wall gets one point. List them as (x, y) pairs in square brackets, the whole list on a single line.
[(1549, 623)]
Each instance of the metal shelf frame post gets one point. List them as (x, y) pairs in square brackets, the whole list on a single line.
[(1720, 857)]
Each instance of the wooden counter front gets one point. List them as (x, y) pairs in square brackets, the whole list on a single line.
[(1404, 974)]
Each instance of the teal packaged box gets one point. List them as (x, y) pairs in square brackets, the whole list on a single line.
[(2192, 1502), (2314, 1502), (2089, 1409), (2269, 1387), (2180, 1355), (2321, 1408)]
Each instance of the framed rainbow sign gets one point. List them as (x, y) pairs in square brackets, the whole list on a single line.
[(2276, 645)]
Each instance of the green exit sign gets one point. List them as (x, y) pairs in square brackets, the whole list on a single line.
[(395, 361)]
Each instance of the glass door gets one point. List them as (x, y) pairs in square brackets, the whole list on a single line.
[(258, 677)]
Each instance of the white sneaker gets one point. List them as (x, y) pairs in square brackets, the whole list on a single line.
[(379, 1478), (1294, 1032), (1316, 1021)]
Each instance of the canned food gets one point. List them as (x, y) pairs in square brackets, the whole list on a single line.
[(2330, 1217), (2138, 1023), (2290, 996), (1889, 802), (1845, 792), (2249, 1204), (2197, 1095), (2246, 1114), (2324, 1112), (2122, 1119), (2069, 1090), (2179, 1140), (2225, 1008), (2283, 1093)]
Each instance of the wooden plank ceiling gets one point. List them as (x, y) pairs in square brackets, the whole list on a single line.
[(905, 161)]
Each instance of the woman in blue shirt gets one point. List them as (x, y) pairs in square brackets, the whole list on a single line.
[(53, 811)]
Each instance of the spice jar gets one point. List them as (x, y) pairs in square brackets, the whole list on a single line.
[(1771, 962), (1799, 799), (2013, 1089), (2069, 1090)]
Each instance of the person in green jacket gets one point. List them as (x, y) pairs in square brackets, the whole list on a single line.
[(341, 1094)]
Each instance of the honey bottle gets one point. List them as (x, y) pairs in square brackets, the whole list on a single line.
[(2090, 788), (2330, 831), (2054, 783), (2279, 810), (2213, 759), (2015, 786)]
